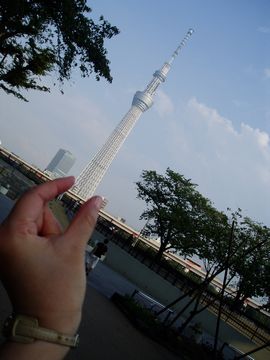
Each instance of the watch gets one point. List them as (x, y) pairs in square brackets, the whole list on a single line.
[(25, 329)]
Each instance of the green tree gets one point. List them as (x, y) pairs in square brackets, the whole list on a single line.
[(249, 243), (212, 249), (250, 269), (186, 221), (266, 286), (174, 210), (38, 37)]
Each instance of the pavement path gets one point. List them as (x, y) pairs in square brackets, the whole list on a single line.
[(107, 281), (105, 333)]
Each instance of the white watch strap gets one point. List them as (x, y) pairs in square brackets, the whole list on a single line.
[(26, 329)]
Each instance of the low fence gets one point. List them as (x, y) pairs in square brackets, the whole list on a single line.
[(174, 274)]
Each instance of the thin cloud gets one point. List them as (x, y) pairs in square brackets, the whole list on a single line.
[(267, 73), (163, 104), (211, 115), (264, 29), (231, 166)]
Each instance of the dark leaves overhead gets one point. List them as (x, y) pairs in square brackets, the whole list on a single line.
[(38, 37)]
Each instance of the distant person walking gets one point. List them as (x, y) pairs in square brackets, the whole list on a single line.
[(99, 251)]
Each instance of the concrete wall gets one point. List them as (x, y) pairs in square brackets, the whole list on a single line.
[(152, 284)]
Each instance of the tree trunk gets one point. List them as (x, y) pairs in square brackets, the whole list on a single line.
[(181, 312), (195, 310), (160, 252), (191, 316), (200, 287), (237, 302)]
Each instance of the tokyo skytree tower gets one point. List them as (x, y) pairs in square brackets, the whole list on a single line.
[(92, 174)]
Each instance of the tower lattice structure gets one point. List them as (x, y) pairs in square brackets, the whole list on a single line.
[(92, 174)]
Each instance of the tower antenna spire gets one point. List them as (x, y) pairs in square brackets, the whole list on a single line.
[(92, 174), (181, 45)]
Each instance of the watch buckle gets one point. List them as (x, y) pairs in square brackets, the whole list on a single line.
[(22, 321)]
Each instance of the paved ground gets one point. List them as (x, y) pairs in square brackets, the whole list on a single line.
[(105, 333), (107, 282)]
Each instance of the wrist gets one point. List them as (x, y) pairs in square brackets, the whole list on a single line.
[(28, 330), (66, 322), (40, 350)]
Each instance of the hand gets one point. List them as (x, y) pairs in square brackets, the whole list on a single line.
[(41, 266)]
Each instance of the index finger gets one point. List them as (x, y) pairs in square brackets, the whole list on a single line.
[(33, 200)]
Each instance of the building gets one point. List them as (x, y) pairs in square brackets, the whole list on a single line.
[(61, 163)]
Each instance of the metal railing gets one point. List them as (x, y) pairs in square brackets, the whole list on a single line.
[(174, 274)]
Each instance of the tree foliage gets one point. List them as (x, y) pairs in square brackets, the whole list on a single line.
[(247, 260), (41, 36), (189, 223), (175, 210), (251, 262), (266, 285)]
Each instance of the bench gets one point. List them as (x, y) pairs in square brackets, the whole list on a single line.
[(152, 305)]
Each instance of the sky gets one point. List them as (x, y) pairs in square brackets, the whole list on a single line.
[(210, 120)]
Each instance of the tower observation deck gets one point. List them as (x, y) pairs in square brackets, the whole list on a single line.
[(92, 174)]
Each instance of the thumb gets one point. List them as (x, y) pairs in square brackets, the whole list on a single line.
[(82, 226)]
